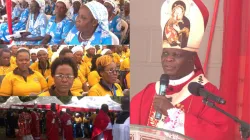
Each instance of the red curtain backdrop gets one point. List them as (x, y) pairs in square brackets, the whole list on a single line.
[(235, 71)]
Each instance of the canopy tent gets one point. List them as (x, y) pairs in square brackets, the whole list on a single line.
[(42, 102), (10, 102), (89, 103)]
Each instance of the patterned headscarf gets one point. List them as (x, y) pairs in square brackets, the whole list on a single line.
[(100, 13), (41, 4)]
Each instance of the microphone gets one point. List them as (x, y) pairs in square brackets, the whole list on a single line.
[(164, 81), (198, 90)]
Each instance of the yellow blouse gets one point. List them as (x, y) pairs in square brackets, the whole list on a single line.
[(128, 80), (87, 60), (47, 93), (93, 78), (116, 58), (99, 90), (16, 85), (6, 69), (76, 88), (84, 69), (35, 66), (13, 61), (125, 64)]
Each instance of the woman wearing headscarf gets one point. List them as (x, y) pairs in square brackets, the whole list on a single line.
[(58, 25), (91, 26), (42, 65), (114, 19), (82, 66), (94, 77), (36, 26), (20, 24), (23, 81), (76, 7), (106, 68), (16, 10)]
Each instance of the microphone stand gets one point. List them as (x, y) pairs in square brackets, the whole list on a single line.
[(244, 126)]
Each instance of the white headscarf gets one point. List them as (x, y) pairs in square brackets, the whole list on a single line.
[(104, 51), (100, 13), (77, 49), (42, 49), (15, 1), (112, 2), (76, 0), (33, 51), (88, 47), (41, 4)]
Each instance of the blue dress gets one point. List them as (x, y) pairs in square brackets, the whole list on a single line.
[(74, 18), (98, 38), (20, 25), (115, 26), (47, 9), (58, 31), (36, 28), (17, 11)]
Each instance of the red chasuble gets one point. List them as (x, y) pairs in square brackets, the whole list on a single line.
[(101, 122), (52, 128), (35, 125), (66, 121), (200, 123)]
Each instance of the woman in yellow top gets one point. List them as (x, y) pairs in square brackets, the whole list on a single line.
[(64, 71), (43, 64), (94, 77), (22, 81), (5, 66), (82, 66), (90, 53), (108, 71), (80, 82), (13, 55)]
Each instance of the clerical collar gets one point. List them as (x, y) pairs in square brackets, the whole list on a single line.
[(182, 80)]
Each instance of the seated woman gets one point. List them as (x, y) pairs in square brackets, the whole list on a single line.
[(58, 25), (91, 26), (82, 66), (114, 19), (106, 68), (94, 77), (17, 10), (18, 25), (36, 26), (63, 71), (5, 65), (42, 65), (23, 81), (79, 84), (76, 6)]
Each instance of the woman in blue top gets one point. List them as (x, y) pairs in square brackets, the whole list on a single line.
[(114, 19), (17, 10), (19, 25), (36, 25), (58, 25), (76, 6), (91, 26)]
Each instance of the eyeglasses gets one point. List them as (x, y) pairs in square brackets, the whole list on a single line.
[(110, 72), (68, 77)]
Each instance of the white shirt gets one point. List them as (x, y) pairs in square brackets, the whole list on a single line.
[(121, 131)]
